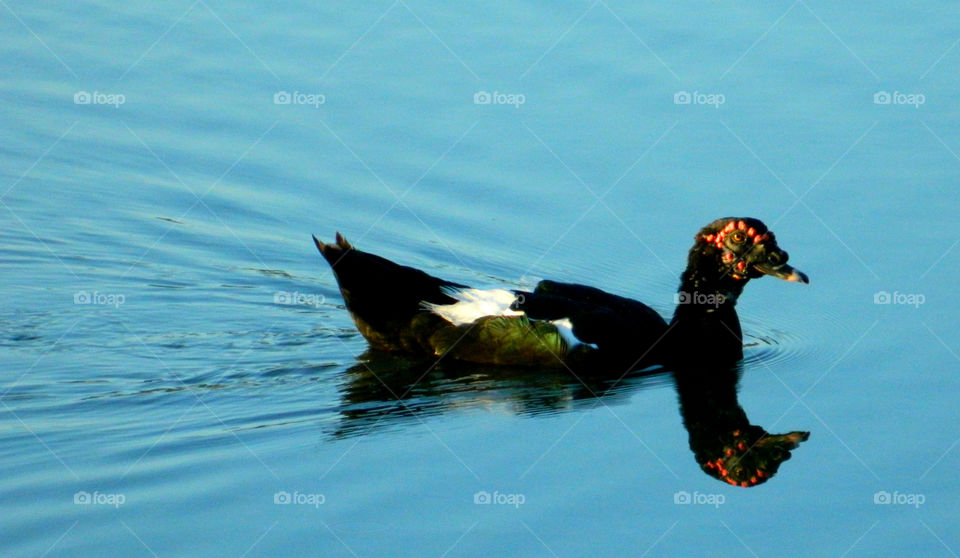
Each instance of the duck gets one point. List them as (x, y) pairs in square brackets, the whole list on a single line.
[(398, 308)]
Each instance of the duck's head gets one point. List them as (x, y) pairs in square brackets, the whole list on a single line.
[(739, 249)]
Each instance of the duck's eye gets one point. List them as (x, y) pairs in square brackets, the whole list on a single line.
[(738, 237), (774, 258)]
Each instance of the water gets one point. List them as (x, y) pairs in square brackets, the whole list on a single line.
[(183, 399)]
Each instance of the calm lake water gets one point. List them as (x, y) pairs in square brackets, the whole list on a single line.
[(180, 377)]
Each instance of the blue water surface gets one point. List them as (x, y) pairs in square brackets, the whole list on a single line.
[(180, 377)]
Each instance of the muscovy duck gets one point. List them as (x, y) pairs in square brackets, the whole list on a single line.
[(399, 308)]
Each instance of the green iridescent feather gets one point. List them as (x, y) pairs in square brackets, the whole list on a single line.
[(503, 340)]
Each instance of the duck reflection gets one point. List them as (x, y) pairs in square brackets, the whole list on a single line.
[(723, 441), (384, 391)]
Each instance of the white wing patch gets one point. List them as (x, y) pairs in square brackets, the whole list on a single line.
[(474, 304), (565, 329)]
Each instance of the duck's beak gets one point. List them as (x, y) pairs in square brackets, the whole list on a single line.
[(786, 441), (783, 271)]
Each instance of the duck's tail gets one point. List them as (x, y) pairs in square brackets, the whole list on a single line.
[(384, 298)]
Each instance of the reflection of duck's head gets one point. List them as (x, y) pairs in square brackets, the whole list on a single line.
[(723, 441), (748, 456)]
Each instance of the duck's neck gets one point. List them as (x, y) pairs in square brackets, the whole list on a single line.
[(707, 291), (705, 323)]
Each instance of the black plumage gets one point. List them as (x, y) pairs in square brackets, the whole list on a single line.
[(393, 307)]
